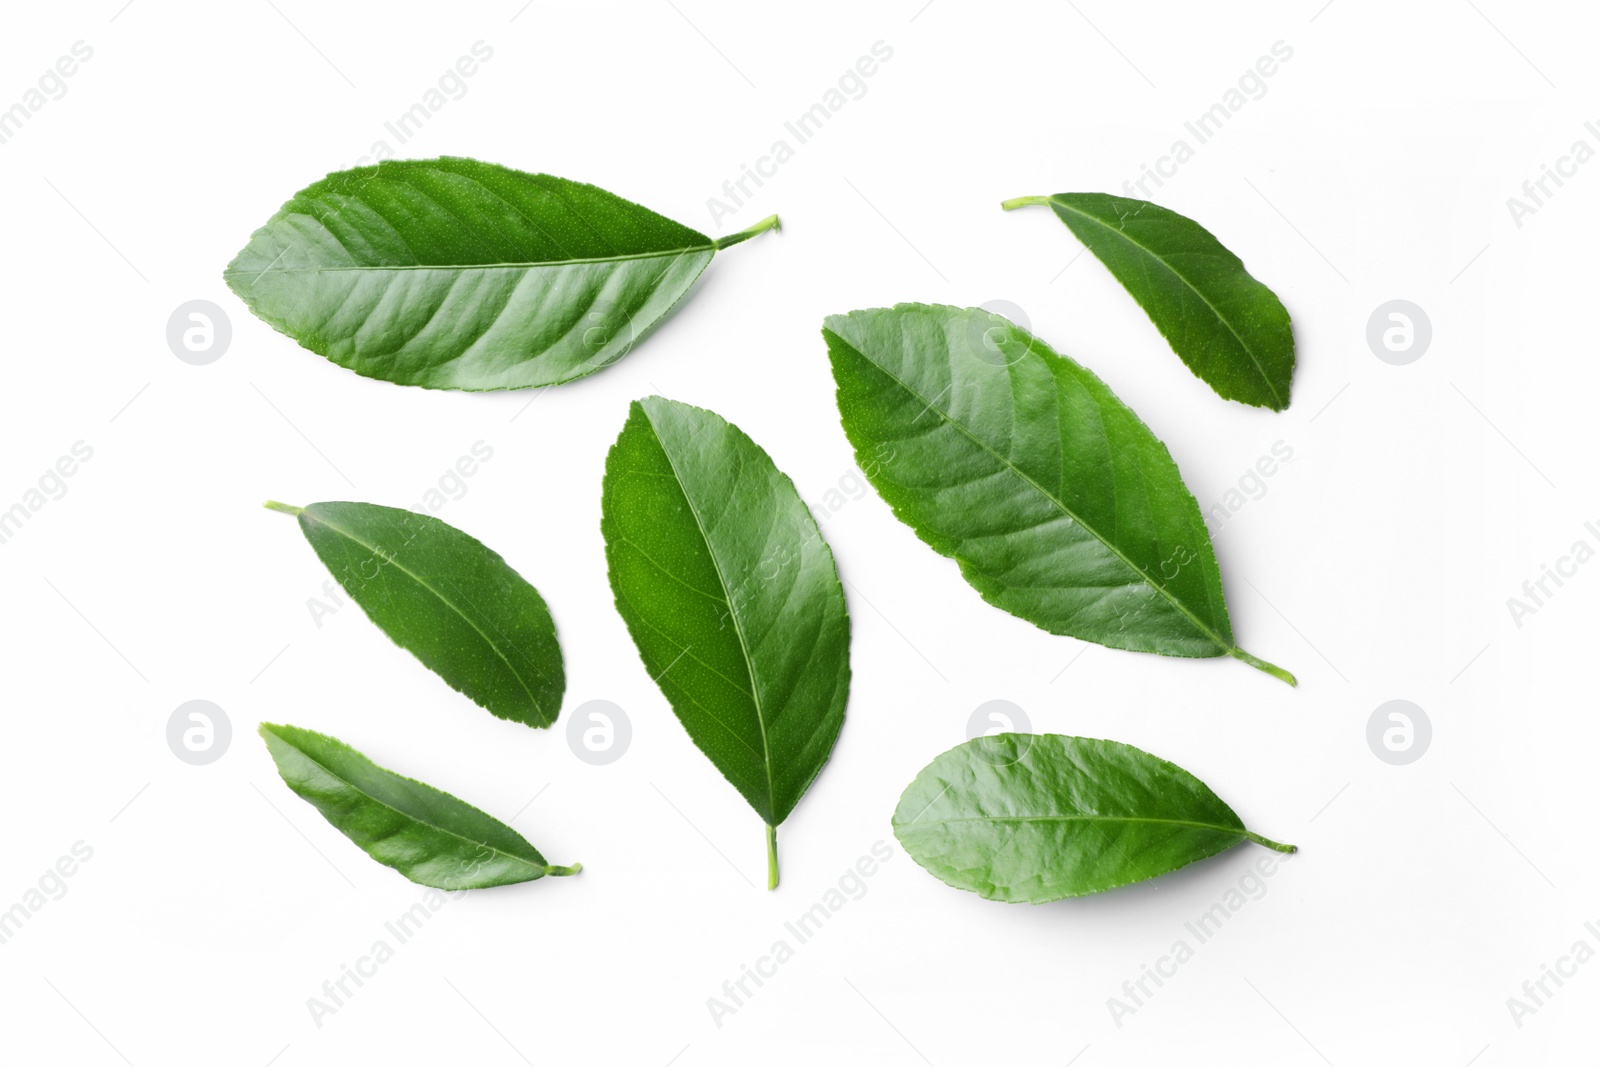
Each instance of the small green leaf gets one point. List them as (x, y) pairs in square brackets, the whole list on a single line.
[(732, 597), (446, 598), (1231, 330), (454, 274), (1061, 507), (429, 836), (1037, 817)]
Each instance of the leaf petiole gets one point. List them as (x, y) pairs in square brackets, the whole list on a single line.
[(287, 509), (1022, 201), (772, 857), (576, 867), (1276, 846), (1262, 665), (769, 223)]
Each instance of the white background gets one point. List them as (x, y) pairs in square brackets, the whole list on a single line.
[(1377, 565)]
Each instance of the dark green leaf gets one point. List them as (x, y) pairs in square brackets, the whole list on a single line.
[(1230, 329), (1059, 504), (732, 597), (454, 274), (430, 837), (447, 599), (1037, 817)]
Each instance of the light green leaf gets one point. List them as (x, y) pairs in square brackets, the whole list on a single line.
[(1033, 818), (732, 597), (1059, 504), (454, 274), (1231, 330), (429, 836), (446, 598)]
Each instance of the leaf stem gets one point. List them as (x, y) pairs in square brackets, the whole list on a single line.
[(1022, 201), (1262, 665), (576, 867), (1276, 846), (769, 223), (772, 857), (287, 509)]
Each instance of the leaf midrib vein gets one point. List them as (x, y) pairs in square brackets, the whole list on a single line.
[(1152, 254), (1113, 549), (408, 815), (733, 615), (1190, 823), (477, 266), (395, 560)]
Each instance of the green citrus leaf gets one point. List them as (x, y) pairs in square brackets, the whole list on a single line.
[(732, 598), (454, 274), (429, 836), (446, 598), (1037, 817), (1231, 330), (1059, 504)]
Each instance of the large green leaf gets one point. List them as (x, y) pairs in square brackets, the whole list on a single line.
[(1032, 818), (428, 836), (1230, 329), (455, 274), (1059, 504), (732, 597), (446, 598)]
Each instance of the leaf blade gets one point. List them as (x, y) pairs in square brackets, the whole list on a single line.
[(1057, 502), (455, 274), (731, 596), (1228, 328), (446, 598), (1035, 818), (427, 835)]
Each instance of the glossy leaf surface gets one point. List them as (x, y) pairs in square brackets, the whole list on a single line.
[(1231, 330), (455, 274), (1038, 817), (446, 598), (732, 597), (1059, 504), (429, 836)]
